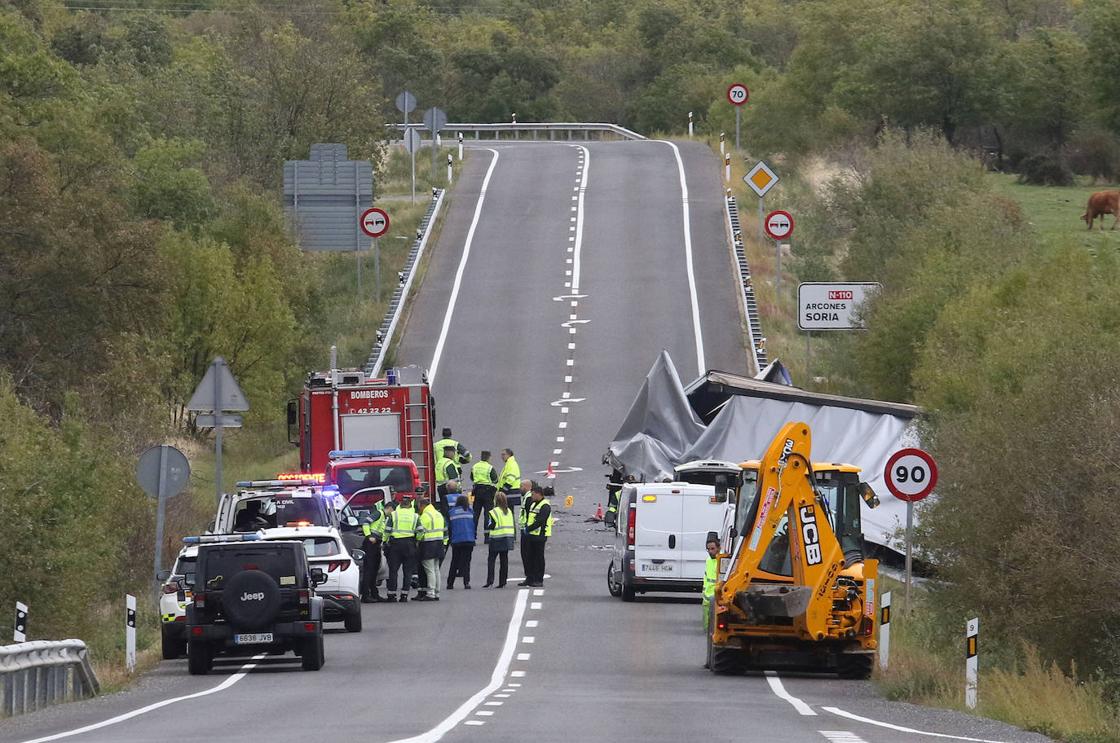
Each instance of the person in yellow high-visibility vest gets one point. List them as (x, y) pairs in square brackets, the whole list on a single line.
[(711, 576), (430, 532), (499, 530), (484, 483)]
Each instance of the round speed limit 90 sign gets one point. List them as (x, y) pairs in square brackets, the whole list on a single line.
[(738, 94), (911, 474)]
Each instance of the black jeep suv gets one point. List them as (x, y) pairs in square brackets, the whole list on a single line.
[(253, 596)]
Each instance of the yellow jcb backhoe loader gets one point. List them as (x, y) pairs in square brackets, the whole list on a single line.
[(798, 592)]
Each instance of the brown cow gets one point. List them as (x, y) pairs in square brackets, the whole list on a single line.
[(1100, 204)]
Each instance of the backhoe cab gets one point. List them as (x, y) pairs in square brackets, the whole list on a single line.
[(797, 591)]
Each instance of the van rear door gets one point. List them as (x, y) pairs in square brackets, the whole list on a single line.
[(657, 526), (704, 510)]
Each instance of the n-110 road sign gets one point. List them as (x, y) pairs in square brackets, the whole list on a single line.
[(778, 224), (911, 474), (826, 306), (738, 94), (375, 222)]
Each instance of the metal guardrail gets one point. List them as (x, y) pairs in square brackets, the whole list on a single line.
[(396, 304), (755, 337), (41, 673), (534, 129)]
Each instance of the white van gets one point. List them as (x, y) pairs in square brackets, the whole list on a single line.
[(660, 536)]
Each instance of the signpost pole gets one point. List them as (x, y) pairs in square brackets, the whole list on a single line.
[(434, 153), (408, 133), (738, 111), (161, 504), (777, 264), (218, 436), (809, 354), (909, 542), (761, 217), (358, 253), (377, 267)]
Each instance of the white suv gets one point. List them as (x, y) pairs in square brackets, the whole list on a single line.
[(173, 599), (341, 593)]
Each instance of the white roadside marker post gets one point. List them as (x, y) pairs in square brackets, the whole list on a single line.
[(449, 161), (690, 125), (971, 663), (727, 167), (19, 634), (722, 144), (130, 632), (460, 146), (884, 630)]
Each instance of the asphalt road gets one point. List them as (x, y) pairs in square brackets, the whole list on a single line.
[(575, 277)]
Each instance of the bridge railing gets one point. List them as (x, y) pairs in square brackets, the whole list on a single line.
[(44, 672), (539, 130), (756, 339)]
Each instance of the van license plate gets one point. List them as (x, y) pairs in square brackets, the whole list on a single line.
[(252, 639), (664, 567)]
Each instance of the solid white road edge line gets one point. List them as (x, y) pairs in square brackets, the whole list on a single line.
[(496, 679), (241, 673), (459, 273), (688, 260), (579, 217), (780, 692), (901, 729)]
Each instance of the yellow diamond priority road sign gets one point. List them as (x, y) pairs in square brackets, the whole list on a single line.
[(761, 179)]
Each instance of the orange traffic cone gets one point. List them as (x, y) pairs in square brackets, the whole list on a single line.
[(599, 513)]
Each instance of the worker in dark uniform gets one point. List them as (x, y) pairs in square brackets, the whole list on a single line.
[(462, 456), (446, 469), (538, 528), (403, 548), (485, 479)]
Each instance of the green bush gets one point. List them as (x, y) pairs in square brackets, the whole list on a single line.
[(1045, 169)]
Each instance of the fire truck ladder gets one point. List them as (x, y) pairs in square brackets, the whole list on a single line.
[(418, 432)]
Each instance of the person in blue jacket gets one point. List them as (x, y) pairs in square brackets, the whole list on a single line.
[(462, 542)]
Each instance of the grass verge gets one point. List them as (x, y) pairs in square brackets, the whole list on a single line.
[(1016, 686)]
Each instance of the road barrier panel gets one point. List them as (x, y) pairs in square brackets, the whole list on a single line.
[(755, 340), (38, 674)]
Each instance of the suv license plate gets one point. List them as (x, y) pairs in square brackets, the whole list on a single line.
[(252, 639), (665, 567)]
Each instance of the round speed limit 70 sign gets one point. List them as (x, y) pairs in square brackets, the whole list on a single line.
[(738, 94), (911, 474)]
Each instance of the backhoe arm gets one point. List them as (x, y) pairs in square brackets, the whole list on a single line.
[(786, 489)]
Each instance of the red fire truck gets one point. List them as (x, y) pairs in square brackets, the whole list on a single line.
[(343, 409)]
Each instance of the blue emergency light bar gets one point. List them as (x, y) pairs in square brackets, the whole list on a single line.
[(212, 538), (362, 453), (306, 482)]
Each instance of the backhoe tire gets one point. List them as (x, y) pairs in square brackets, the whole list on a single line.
[(614, 588), (723, 661), (855, 667)]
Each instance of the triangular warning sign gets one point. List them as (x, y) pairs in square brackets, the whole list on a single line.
[(218, 391)]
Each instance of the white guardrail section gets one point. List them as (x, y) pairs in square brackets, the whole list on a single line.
[(535, 129), (404, 285), (45, 672), (750, 303)]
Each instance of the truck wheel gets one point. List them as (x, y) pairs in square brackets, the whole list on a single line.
[(614, 588), (353, 621), (313, 653), (627, 589), (173, 647), (200, 658), (855, 667)]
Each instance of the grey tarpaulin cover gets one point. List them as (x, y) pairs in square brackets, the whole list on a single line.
[(729, 417)]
